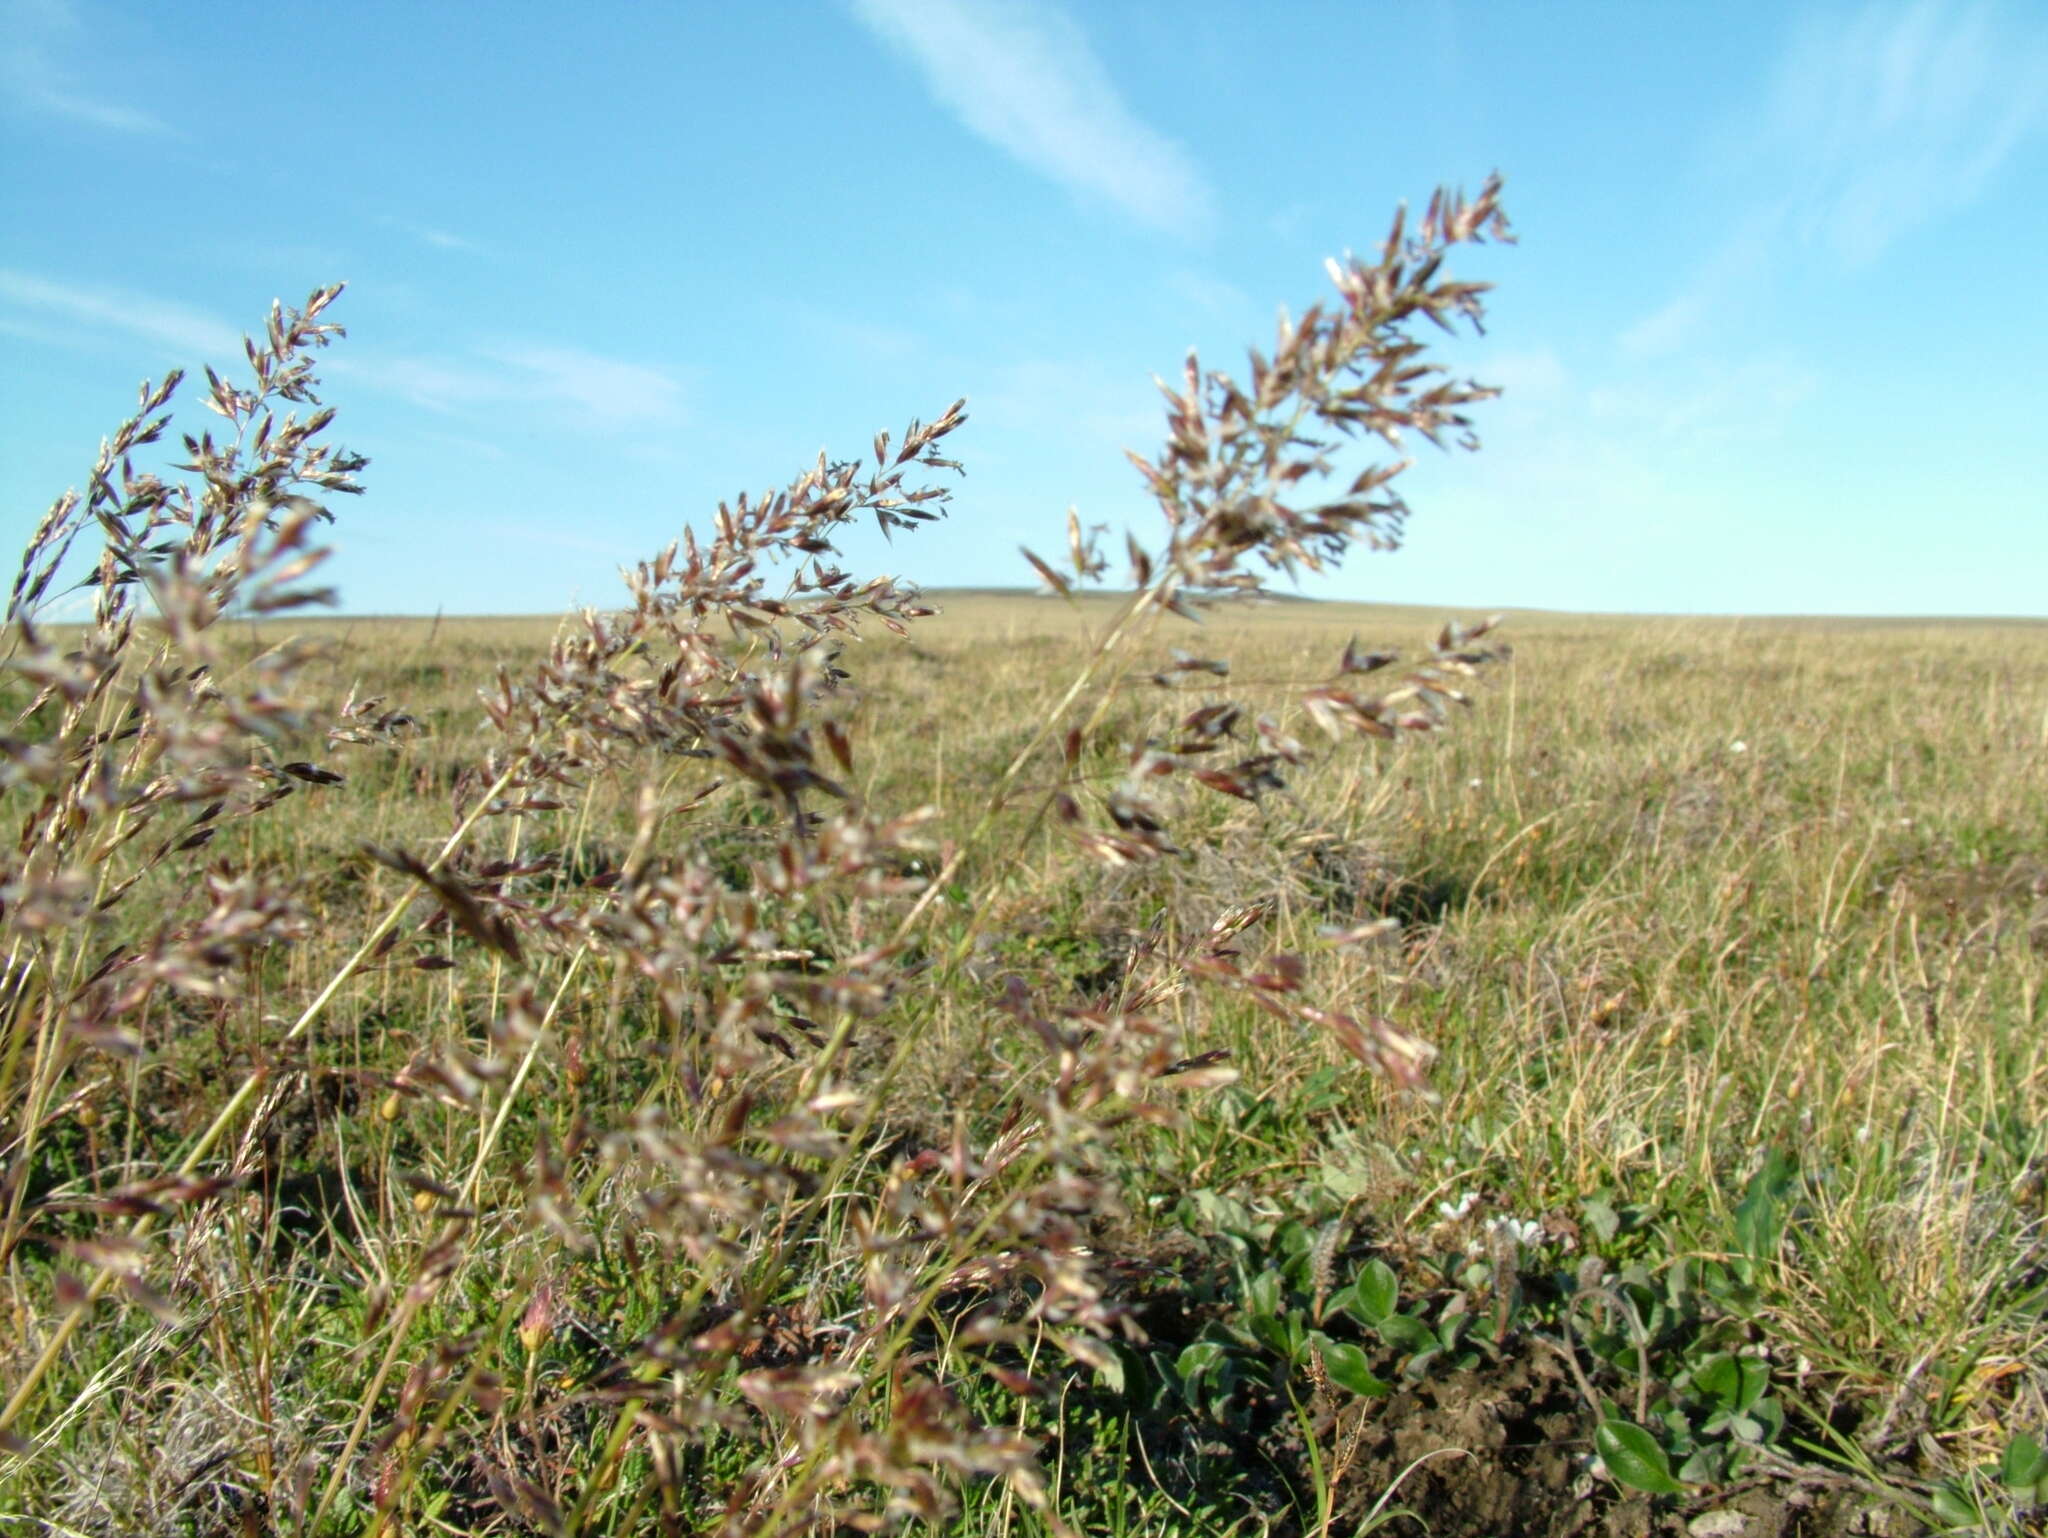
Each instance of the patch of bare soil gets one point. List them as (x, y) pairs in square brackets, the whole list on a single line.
[(1505, 1450)]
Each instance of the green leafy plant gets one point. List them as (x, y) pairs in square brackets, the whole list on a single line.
[(1634, 1457), (2023, 1469), (1996, 1497)]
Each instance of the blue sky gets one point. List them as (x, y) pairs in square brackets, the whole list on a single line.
[(1773, 338)]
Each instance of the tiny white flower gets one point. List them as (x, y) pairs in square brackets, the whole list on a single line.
[(1454, 1211), (1522, 1231), (1738, 746), (1473, 783)]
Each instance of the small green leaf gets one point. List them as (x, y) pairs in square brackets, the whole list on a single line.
[(1769, 1415), (1221, 1213), (1633, 1457), (1406, 1333), (1719, 1379), (1346, 1366), (1378, 1290), (1262, 1298), (1955, 1508), (1734, 1383), (1601, 1218), (2025, 1464), (1283, 1334), (1756, 1377), (1198, 1360), (1760, 1216), (1347, 1181), (1109, 1371), (1270, 1331), (1297, 1338), (1722, 1284)]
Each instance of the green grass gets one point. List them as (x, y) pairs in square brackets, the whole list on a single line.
[(1649, 960)]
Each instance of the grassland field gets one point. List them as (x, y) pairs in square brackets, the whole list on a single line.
[(1727, 939)]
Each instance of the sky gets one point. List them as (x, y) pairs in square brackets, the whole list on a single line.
[(1772, 340)]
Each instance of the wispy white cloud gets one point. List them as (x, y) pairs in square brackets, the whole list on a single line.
[(605, 390), (437, 384), (1025, 78), (35, 80), (1871, 124), (1614, 465), (1705, 405), (1668, 327), (429, 235), (588, 391), (1295, 222), (114, 116), (465, 443), (41, 335), (854, 334), (191, 334), (1528, 381), (1891, 117), (1215, 296), (1093, 403), (1606, 438)]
